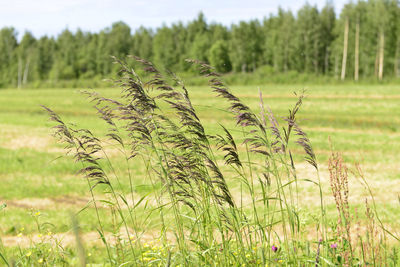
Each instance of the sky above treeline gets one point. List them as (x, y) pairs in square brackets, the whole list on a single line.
[(50, 17)]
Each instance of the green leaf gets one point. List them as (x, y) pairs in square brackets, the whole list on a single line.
[(140, 201), (327, 261), (102, 237), (3, 257), (3, 206), (199, 243)]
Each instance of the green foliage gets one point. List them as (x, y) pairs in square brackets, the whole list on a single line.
[(165, 48), (246, 42), (193, 194), (8, 68), (307, 43), (142, 43), (358, 118), (219, 56)]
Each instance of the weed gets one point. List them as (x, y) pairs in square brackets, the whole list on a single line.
[(230, 198)]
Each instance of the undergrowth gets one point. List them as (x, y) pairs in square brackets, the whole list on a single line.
[(226, 199)]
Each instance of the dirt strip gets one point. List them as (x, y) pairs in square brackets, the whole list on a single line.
[(282, 96), (46, 203), (89, 239)]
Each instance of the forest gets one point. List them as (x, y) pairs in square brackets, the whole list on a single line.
[(362, 42)]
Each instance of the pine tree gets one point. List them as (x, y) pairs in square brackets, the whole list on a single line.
[(8, 68)]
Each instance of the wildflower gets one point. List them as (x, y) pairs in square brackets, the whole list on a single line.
[(280, 261), (21, 229), (274, 249), (28, 254), (39, 235), (37, 213), (40, 260), (334, 245), (49, 233), (19, 235), (49, 250), (89, 254)]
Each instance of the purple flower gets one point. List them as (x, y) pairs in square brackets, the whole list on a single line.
[(274, 249), (334, 245)]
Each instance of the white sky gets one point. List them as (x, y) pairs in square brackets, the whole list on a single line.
[(50, 17)]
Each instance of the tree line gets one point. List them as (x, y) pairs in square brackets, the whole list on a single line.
[(363, 41)]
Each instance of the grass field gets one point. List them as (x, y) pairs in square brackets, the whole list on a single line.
[(362, 122)]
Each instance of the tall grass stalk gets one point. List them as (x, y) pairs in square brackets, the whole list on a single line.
[(230, 198)]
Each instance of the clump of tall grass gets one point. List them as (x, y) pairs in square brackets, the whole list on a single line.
[(230, 198)]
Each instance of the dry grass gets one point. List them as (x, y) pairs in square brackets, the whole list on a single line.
[(225, 191)]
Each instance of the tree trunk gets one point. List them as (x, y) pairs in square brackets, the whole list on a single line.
[(244, 67), (345, 43), (285, 59), (356, 59), (326, 61), (25, 78), (254, 61), (377, 60), (275, 61), (316, 56), (306, 51), (396, 59), (381, 53), (336, 68), (19, 72)]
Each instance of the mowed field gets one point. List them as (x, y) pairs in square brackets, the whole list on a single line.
[(362, 122)]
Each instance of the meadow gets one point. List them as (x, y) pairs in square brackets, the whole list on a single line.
[(43, 192)]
